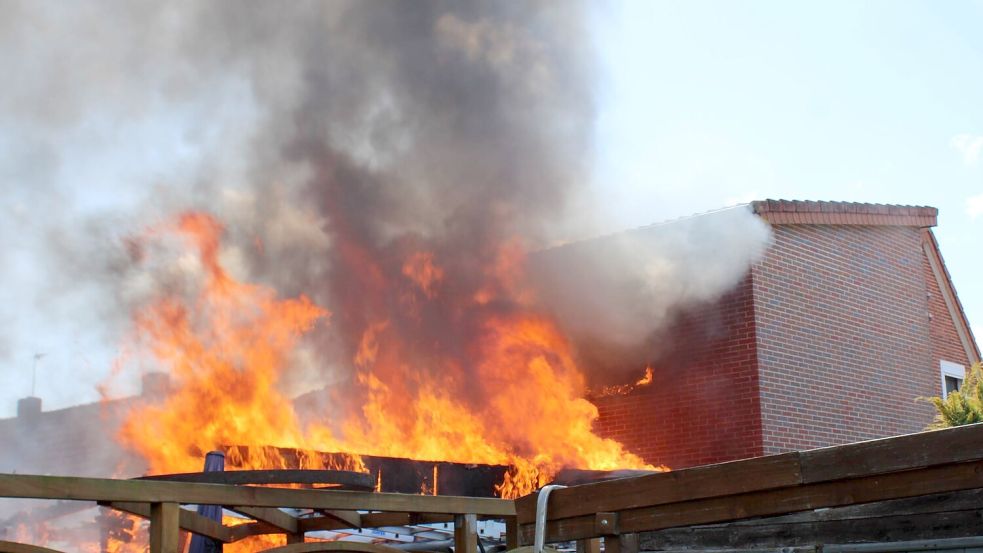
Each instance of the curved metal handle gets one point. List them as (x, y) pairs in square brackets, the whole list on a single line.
[(544, 495)]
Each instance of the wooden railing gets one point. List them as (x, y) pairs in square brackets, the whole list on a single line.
[(879, 470), (160, 502)]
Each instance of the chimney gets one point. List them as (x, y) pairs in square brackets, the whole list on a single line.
[(29, 409), (155, 385)]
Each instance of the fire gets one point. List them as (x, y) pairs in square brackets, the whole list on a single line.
[(625, 389), (226, 349), (498, 385)]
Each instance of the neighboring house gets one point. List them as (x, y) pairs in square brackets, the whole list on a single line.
[(849, 318)]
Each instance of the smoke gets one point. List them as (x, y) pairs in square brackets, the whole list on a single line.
[(616, 294), (392, 162)]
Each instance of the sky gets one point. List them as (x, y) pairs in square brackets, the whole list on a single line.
[(709, 104), (701, 105)]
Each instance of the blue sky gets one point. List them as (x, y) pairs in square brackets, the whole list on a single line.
[(712, 103), (702, 105)]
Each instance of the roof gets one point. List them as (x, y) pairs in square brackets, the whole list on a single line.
[(797, 212)]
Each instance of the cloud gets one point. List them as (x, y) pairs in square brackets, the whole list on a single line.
[(974, 206), (969, 146)]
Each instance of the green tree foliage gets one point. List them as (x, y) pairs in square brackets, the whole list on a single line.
[(964, 406)]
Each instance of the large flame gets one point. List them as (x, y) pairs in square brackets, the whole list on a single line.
[(511, 394), (225, 349)]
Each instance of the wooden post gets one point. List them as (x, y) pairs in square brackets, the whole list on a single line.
[(466, 534), (295, 538), (164, 529), (589, 545), (511, 533)]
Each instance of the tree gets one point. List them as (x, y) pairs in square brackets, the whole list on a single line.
[(962, 406)]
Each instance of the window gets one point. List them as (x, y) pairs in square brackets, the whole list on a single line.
[(953, 375)]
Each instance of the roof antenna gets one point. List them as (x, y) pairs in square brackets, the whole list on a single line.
[(34, 374)]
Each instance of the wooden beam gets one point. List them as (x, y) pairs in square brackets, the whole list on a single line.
[(187, 520), (937, 479), (351, 518), (145, 491), (950, 445), (164, 527), (884, 456), (242, 531), (775, 471), (465, 534), (285, 522), (15, 547), (512, 535)]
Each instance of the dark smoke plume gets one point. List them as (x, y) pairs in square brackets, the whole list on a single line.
[(387, 159)]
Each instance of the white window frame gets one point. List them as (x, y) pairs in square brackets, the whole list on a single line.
[(955, 370)]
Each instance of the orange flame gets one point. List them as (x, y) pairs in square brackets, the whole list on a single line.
[(515, 396), (226, 351)]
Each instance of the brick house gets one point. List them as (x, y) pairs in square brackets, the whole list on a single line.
[(850, 316)]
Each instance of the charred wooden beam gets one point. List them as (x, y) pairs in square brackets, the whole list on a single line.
[(394, 475), (337, 479)]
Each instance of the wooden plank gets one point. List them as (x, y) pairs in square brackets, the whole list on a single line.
[(15, 547), (775, 471), (187, 520), (465, 534), (145, 491), (900, 453), (164, 527), (776, 535), (952, 445), (270, 515), (913, 483), (937, 516)]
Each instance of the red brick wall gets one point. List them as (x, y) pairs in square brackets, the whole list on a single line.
[(942, 330), (702, 406), (844, 338)]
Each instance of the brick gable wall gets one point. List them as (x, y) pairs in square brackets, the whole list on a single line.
[(702, 405), (849, 326), (844, 336)]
